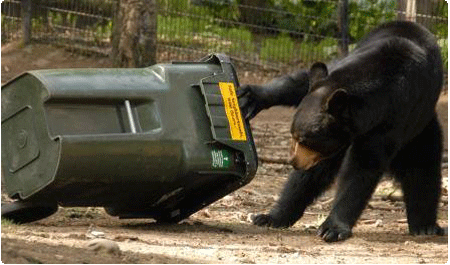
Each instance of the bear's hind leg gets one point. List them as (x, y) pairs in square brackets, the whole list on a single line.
[(418, 168)]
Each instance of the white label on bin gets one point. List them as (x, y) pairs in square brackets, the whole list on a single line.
[(220, 158)]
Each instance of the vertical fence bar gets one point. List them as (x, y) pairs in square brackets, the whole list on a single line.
[(26, 20), (401, 7), (343, 27)]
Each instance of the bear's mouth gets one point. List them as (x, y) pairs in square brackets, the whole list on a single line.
[(303, 157)]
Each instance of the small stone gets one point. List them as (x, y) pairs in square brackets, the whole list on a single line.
[(97, 234), (368, 222), (104, 245), (205, 213), (250, 217), (409, 243), (379, 223)]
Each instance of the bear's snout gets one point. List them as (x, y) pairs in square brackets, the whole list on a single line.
[(303, 157)]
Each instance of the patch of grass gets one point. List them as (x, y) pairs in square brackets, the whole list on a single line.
[(8, 224), (318, 51), (280, 49), (443, 43), (177, 30), (37, 24), (204, 34), (9, 26), (241, 41), (283, 49)]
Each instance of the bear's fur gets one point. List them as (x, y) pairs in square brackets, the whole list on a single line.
[(371, 113)]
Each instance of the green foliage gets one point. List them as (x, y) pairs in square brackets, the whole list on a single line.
[(204, 34), (279, 49), (104, 7), (324, 50), (37, 24), (56, 18), (176, 30), (209, 25), (311, 17), (174, 5), (297, 26), (441, 29), (61, 19), (72, 19), (241, 41), (102, 32), (9, 25), (6, 223), (327, 49), (443, 43), (365, 15), (223, 9)]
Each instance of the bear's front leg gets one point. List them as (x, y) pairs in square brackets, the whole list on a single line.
[(357, 181), (301, 189), (287, 90)]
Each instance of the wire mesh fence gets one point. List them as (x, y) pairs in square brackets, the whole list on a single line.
[(274, 34), (84, 24)]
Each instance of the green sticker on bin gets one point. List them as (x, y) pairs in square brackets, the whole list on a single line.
[(220, 158)]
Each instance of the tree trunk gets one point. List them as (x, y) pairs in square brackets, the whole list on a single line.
[(134, 37)]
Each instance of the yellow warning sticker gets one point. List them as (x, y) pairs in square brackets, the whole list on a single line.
[(233, 112)]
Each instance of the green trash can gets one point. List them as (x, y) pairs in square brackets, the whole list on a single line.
[(160, 142)]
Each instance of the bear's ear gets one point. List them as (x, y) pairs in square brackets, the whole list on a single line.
[(337, 103), (317, 72)]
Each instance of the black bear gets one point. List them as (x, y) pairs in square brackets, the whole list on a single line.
[(370, 113)]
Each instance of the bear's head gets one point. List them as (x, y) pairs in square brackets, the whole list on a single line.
[(320, 126)]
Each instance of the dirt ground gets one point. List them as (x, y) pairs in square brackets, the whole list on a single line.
[(222, 232)]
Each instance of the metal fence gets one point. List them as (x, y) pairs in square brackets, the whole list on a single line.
[(274, 34), (84, 25)]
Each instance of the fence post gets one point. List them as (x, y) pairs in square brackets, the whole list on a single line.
[(411, 10), (343, 27), (26, 20)]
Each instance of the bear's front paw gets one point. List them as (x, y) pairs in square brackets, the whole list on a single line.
[(267, 220), (428, 230), (331, 231), (253, 99)]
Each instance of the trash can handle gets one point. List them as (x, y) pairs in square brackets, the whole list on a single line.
[(130, 116), (217, 58)]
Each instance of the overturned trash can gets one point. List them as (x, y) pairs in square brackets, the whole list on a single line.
[(160, 142)]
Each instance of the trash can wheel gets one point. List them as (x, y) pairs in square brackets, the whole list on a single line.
[(22, 212)]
